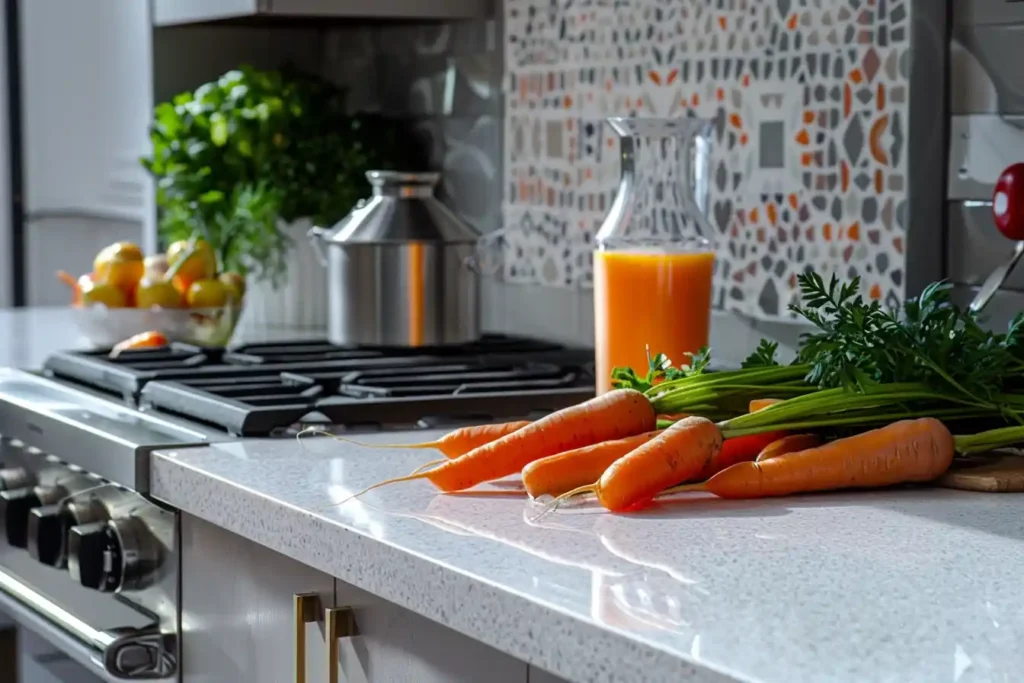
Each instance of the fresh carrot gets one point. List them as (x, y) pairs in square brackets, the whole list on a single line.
[(738, 449), (70, 281), (759, 403), (679, 453), (613, 415), (788, 444), (557, 474), (144, 340), (902, 452), (457, 442)]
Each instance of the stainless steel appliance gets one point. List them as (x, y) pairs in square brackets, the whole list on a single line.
[(399, 268), (986, 113), (84, 559), (88, 560)]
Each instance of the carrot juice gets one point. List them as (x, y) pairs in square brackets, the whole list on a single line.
[(649, 299)]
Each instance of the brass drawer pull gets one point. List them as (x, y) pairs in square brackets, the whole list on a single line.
[(341, 623), (306, 609)]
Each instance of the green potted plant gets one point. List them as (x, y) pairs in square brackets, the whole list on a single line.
[(250, 161)]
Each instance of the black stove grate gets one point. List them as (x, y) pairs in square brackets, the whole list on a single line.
[(126, 374), (259, 389), (264, 403)]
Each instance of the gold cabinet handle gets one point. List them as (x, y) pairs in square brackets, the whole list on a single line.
[(306, 608), (341, 623)]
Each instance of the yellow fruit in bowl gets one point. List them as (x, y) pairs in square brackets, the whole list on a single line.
[(160, 293), (235, 284), (208, 293), (191, 262), (155, 267), (123, 274), (97, 293), (118, 251)]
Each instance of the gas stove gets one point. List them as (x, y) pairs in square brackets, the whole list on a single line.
[(266, 389), (75, 441)]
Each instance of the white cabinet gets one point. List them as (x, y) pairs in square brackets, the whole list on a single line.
[(541, 676), (395, 645), (86, 103), (86, 80), (238, 624), (237, 610)]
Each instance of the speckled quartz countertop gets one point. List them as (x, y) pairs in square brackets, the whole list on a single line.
[(891, 586)]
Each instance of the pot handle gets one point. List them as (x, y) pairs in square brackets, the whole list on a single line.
[(315, 235), (488, 257)]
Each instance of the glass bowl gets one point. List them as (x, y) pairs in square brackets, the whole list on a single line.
[(105, 327)]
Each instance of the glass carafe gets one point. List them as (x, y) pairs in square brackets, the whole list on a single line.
[(654, 262)]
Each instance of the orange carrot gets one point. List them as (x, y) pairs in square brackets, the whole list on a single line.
[(788, 444), (144, 340), (557, 474), (906, 451), (679, 453), (613, 415), (457, 442), (70, 281), (738, 449), (759, 403)]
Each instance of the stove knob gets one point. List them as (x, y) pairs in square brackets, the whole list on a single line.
[(140, 550), (48, 528), (94, 556), (15, 478), (46, 535), (15, 507)]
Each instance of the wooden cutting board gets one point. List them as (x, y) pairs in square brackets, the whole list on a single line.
[(989, 472)]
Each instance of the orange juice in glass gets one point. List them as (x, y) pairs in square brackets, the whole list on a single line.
[(652, 268), (650, 299)]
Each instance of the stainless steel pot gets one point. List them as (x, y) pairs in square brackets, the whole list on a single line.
[(399, 268)]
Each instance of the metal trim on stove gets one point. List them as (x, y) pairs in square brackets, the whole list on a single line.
[(109, 650), (102, 438)]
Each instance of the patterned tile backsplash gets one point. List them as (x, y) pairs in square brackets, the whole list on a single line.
[(809, 165)]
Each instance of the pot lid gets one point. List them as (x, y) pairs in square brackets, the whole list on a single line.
[(403, 208)]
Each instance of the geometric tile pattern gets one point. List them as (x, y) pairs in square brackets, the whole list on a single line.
[(809, 159)]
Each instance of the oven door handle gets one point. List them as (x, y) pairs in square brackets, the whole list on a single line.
[(122, 654)]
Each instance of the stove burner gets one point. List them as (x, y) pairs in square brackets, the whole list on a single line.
[(261, 389)]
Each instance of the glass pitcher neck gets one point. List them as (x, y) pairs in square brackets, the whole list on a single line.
[(664, 184)]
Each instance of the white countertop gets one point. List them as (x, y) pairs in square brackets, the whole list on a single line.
[(890, 586)]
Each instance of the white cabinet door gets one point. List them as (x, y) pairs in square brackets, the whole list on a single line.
[(395, 645), (541, 676), (237, 610), (87, 98)]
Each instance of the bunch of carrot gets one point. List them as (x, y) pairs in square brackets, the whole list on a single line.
[(610, 446)]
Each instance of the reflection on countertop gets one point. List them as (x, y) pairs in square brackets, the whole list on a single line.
[(885, 586)]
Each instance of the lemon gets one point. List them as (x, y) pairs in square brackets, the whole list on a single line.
[(123, 274), (207, 293), (118, 251), (102, 293), (197, 261), (160, 293), (235, 285)]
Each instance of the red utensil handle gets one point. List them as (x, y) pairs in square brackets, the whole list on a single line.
[(1008, 202)]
